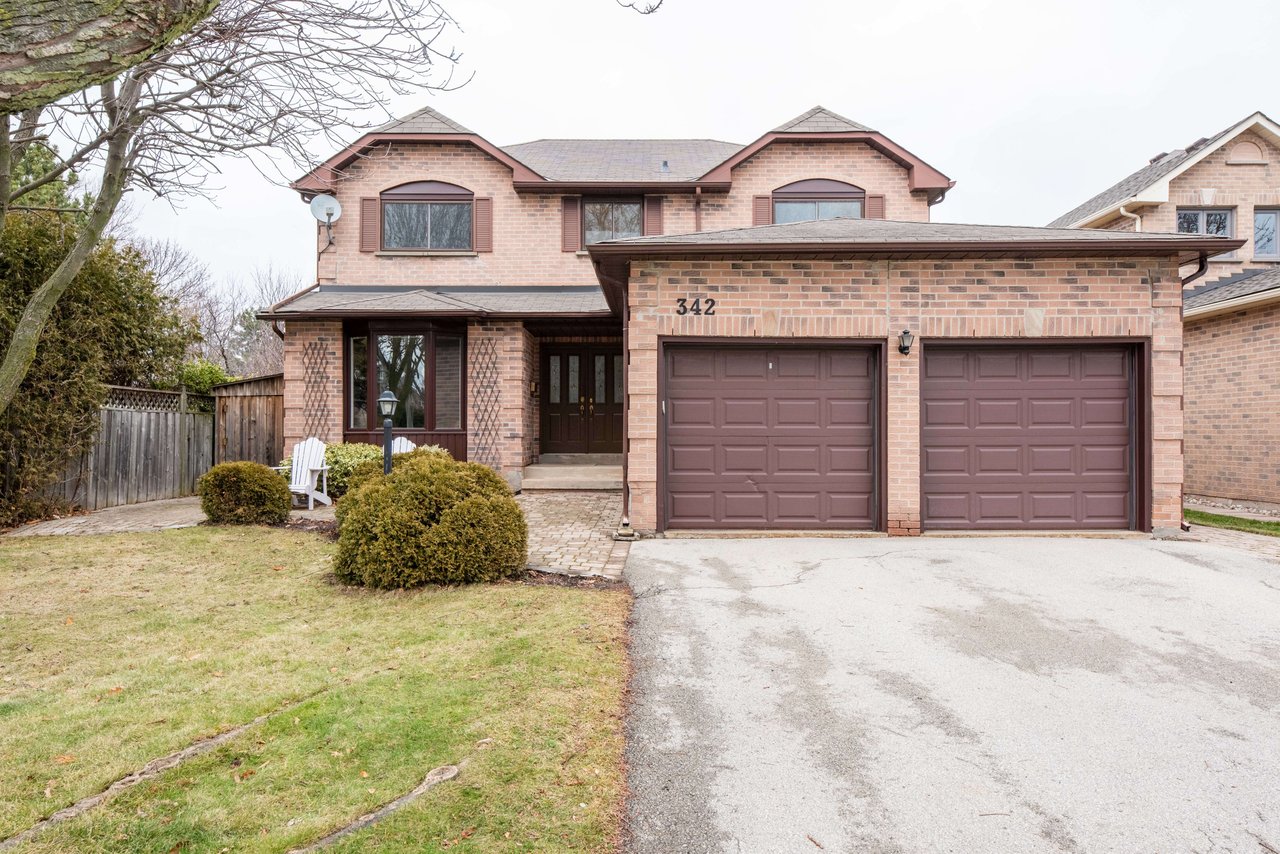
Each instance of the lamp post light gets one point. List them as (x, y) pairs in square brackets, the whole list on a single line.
[(387, 409), (905, 340)]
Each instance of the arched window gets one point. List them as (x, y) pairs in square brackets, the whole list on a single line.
[(427, 215), (817, 198)]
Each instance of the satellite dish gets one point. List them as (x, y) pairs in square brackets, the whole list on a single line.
[(326, 208)]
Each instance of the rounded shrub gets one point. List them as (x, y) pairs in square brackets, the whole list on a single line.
[(483, 538), (366, 469), (244, 493), (431, 521)]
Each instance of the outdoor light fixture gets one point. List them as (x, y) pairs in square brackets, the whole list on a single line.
[(905, 340), (387, 404)]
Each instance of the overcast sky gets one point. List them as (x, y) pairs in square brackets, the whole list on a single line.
[(1030, 105)]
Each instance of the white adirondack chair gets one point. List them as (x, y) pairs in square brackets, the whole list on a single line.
[(308, 471), (401, 445)]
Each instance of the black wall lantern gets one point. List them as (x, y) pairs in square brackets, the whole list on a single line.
[(905, 340)]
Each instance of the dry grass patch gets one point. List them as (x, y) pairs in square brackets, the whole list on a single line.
[(116, 650)]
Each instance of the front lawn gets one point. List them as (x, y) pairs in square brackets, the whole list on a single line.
[(116, 650), (1234, 523)]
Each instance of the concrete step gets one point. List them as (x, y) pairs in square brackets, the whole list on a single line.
[(580, 459), (544, 478)]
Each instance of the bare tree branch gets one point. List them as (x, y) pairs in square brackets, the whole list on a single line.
[(52, 48), (643, 8)]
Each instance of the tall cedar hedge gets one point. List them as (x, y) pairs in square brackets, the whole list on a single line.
[(113, 326)]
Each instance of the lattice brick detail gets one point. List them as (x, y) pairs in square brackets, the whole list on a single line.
[(486, 403), (315, 390)]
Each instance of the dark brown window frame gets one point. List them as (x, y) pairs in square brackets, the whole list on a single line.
[(416, 192), (816, 190), (613, 200), (429, 330)]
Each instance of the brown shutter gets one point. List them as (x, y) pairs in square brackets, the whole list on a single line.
[(370, 225), (570, 224), (875, 207), (652, 215), (762, 210), (482, 225)]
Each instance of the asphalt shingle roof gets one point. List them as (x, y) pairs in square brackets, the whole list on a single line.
[(820, 120), (425, 120), (1239, 285), (466, 300), (625, 160), (850, 230), (1137, 182)]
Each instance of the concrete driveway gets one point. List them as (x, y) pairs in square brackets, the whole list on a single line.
[(957, 695)]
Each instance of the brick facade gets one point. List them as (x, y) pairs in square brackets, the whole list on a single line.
[(1095, 298), (1233, 399), (313, 366)]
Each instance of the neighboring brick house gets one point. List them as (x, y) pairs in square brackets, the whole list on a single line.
[(731, 320), (1228, 185)]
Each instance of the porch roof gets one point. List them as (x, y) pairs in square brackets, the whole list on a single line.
[(451, 301)]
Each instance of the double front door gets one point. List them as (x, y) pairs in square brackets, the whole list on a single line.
[(581, 399)]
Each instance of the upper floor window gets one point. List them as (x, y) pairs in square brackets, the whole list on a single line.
[(817, 198), (610, 219), (1216, 222), (1266, 244), (427, 215)]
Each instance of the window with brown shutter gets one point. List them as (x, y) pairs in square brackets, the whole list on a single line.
[(875, 207), (762, 210), (370, 225), (482, 223), (570, 224), (652, 215)]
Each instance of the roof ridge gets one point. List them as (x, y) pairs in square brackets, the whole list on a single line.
[(429, 112), (819, 113)]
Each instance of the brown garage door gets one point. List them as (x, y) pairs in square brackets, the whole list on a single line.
[(1030, 437), (769, 437)]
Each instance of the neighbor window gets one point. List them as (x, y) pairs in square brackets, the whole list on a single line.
[(1265, 243), (423, 369), (611, 219), (427, 215), (1216, 222), (817, 198)]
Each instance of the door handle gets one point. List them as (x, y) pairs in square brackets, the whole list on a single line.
[(591, 406), (582, 408)]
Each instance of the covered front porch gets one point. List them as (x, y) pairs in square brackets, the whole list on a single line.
[(527, 380)]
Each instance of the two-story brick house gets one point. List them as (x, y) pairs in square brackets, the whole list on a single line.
[(773, 335), (1228, 185)]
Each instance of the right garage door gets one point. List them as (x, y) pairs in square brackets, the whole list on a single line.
[(1026, 437)]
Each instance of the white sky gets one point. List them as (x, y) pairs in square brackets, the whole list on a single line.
[(1031, 106)]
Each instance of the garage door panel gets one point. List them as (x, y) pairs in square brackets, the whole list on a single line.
[(744, 364), (1065, 461), (691, 459), (744, 458), (789, 442), (693, 412), (743, 412), (691, 364)]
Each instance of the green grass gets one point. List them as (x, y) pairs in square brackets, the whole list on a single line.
[(1234, 523), (117, 650)]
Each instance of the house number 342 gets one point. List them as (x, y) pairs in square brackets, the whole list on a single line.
[(697, 305)]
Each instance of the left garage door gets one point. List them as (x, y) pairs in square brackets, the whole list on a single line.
[(770, 437)]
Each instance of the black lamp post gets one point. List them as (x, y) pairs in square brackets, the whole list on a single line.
[(387, 409)]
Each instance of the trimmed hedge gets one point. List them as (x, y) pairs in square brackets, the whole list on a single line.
[(244, 493), (431, 521)]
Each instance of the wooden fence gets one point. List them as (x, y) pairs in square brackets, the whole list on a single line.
[(249, 421), (150, 445)]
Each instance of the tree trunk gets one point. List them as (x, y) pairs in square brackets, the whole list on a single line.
[(26, 334), (52, 48)]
